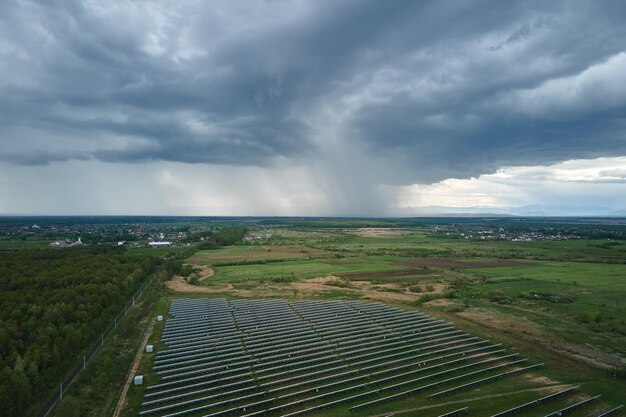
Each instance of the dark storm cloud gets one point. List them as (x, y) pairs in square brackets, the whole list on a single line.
[(430, 90), (42, 157)]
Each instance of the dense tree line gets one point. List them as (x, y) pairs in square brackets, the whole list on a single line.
[(225, 237), (53, 304)]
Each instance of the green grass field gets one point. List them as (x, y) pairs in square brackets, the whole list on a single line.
[(582, 301), (574, 288), (563, 304), (298, 269)]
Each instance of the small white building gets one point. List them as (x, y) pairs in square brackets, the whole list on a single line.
[(159, 244), (138, 379), (149, 348)]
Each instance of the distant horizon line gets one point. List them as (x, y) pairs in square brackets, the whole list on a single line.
[(442, 215)]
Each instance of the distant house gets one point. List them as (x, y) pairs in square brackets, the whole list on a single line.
[(65, 243), (257, 236)]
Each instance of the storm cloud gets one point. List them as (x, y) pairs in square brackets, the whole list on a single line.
[(362, 92)]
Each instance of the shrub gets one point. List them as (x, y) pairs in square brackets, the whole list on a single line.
[(340, 283), (415, 288), (434, 296), (460, 282)]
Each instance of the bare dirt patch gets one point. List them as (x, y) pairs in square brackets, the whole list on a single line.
[(386, 292), (363, 288), (178, 284), (367, 284), (378, 231), (388, 296), (433, 288), (585, 353), (501, 321), (256, 253), (540, 379), (440, 302), (204, 272), (323, 280), (315, 285), (457, 263)]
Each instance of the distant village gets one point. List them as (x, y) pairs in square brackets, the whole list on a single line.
[(136, 234), (257, 236), (482, 232)]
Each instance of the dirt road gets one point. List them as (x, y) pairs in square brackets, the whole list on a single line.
[(133, 368)]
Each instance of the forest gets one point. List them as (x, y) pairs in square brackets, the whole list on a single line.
[(225, 237), (53, 304)]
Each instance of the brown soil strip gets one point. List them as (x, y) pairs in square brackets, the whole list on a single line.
[(133, 368), (324, 280), (365, 289), (257, 253), (457, 263), (440, 302), (178, 284), (378, 231), (310, 288), (205, 272)]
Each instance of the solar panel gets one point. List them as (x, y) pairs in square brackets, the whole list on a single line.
[(258, 357)]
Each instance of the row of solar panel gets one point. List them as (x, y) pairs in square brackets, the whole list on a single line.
[(361, 370), (303, 352), (352, 353), (290, 332), (361, 377), (302, 401), (390, 353)]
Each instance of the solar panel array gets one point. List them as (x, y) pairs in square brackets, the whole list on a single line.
[(273, 357)]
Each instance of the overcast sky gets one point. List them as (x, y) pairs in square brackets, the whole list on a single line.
[(312, 107)]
